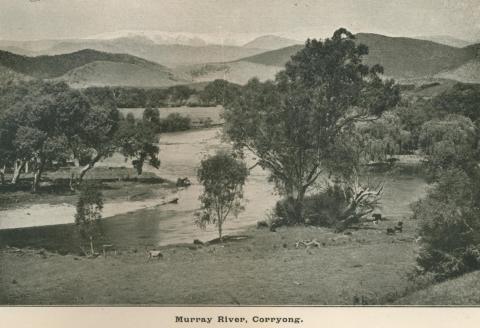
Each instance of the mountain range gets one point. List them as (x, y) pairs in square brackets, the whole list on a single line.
[(139, 60)]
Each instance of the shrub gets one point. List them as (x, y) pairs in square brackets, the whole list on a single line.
[(449, 227), (339, 205), (321, 209), (175, 122)]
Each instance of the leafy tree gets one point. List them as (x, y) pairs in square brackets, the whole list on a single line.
[(449, 226), (219, 92), (138, 140), (178, 95), (175, 122), (462, 99), (298, 124), (45, 118), (96, 141), (223, 178), (451, 142), (89, 212), (383, 137)]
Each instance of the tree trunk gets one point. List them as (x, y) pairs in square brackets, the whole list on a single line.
[(220, 231), (2, 175), (91, 245), (19, 165), (37, 176), (88, 167), (296, 199)]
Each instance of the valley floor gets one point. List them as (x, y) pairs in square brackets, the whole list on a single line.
[(366, 267)]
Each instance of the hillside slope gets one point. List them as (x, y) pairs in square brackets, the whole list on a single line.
[(104, 73), (58, 65), (271, 42), (400, 57), (463, 290), (165, 54), (467, 73)]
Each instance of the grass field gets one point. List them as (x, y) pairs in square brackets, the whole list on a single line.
[(366, 267), (464, 290)]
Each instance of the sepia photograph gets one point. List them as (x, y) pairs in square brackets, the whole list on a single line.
[(239, 153)]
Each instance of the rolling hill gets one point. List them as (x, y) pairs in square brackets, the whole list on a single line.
[(402, 58), (165, 54), (107, 73), (90, 67), (447, 40)]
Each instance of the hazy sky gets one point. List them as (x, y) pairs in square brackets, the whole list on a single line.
[(44, 19)]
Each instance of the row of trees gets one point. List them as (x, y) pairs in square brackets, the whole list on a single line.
[(213, 94), (44, 124)]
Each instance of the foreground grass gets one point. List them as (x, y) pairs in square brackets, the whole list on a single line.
[(464, 290), (367, 267)]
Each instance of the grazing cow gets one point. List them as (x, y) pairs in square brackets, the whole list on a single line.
[(377, 217), (399, 227), (154, 254), (390, 231)]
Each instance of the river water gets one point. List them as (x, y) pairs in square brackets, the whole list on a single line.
[(181, 154)]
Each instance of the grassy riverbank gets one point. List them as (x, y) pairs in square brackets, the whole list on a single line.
[(367, 267), (116, 183)]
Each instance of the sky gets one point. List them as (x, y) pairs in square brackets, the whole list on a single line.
[(53, 19)]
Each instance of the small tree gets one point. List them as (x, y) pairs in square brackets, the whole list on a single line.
[(89, 213), (223, 178)]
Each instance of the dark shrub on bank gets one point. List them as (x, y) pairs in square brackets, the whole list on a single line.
[(321, 209), (449, 227), (175, 122)]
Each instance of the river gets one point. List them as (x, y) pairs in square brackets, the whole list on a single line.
[(180, 154)]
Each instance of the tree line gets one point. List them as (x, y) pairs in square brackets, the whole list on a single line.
[(46, 124), (212, 94)]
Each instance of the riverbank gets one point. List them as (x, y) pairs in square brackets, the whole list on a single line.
[(366, 267)]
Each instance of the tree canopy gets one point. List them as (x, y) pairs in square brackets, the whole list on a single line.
[(298, 125)]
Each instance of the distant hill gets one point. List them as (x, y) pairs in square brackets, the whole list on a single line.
[(447, 40), (271, 42), (105, 73), (91, 67), (55, 66), (406, 57), (165, 54), (401, 57), (467, 73)]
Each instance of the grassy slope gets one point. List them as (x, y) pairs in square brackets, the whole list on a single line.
[(104, 73), (464, 290), (55, 66), (367, 267), (236, 72), (467, 73)]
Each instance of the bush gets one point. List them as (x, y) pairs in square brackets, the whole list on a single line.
[(449, 227), (175, 122), (339, 205), (321, 209)]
